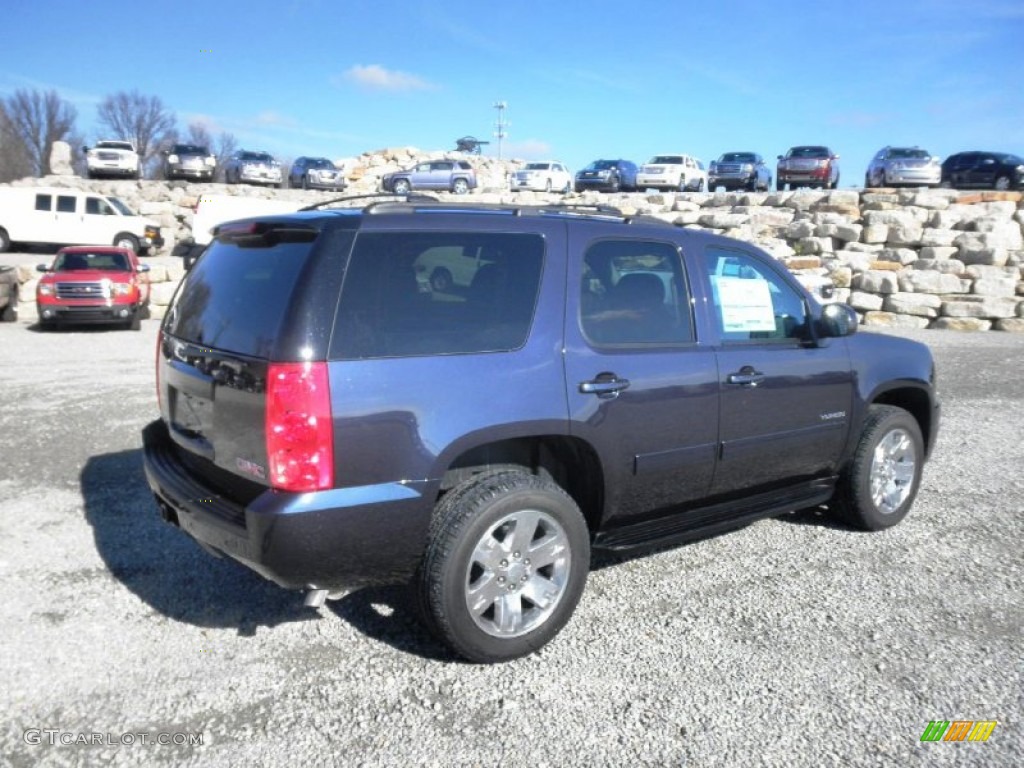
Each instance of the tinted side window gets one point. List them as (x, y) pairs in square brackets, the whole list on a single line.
[(66, 204), (634, 292), (437, 293), (44, 203), (751, 301)]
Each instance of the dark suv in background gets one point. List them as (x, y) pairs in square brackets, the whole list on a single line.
[(315, 173), (740, 170), (989, 170), (608, 176), (189, 161), (330, 416)]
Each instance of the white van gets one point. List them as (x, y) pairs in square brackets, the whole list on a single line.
[(64, 216), (212, 210)]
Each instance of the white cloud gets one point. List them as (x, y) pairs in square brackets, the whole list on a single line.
[(376, 77)]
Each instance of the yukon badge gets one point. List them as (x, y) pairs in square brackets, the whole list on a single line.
[(251, 468), (833, 415)]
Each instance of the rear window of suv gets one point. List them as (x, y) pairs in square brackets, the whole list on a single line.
[(236, 296), (437, 293)]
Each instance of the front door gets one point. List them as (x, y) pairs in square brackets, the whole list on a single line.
[(785, 403), (640, 388)]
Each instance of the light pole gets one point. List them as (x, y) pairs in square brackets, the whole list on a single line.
[(501, 125)]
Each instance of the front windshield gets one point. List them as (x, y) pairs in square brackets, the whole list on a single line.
[(537, 166), (666, 160), (77, 261), (601, 165), (738, 157), (123, 209), (808, 152), (907, 154), (321, 162), (257, 157)]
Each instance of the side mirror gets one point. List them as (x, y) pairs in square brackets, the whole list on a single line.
[(143, 267), (42, 268), (779, 157), (85, 148), (838, 320)]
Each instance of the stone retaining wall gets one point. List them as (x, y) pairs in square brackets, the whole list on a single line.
[(912, 258)]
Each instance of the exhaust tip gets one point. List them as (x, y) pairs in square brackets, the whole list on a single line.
[(315, 598)]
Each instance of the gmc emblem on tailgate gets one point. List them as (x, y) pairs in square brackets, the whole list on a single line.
[(251, 468)]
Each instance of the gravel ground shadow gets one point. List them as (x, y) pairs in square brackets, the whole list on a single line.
[(165, 568), (388, 615)]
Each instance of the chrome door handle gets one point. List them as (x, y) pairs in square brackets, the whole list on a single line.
[(605, 386), (746, 377)]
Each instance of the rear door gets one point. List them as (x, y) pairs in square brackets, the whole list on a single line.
[(785, 404), (67, 224), (982, 172), (640, 387), (232, 315)]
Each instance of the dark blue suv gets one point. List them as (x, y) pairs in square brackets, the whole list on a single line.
[(333, 416)]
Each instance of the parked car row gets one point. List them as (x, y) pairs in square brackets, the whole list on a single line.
[(802, 166)]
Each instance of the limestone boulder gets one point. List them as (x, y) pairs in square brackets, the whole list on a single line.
[(992, 307), (864, 301), (1010, 324), (893, 320), (918, 304), (961, 324), (876, 281), (929, 281)]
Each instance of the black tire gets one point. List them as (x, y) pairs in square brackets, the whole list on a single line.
[(441, 280), (946, 184), (835, 184), (127, 240), (882, 181), (700, 185), (1002, 183), (779, 185), (878, 487), (682, 183), (615, 185), (577, 188), (305, 181), (567, 188), (547, 186), (493, 508), (460, 187), (401, 186), (10, 313), (5, 241), (135, 324), (867, 181)]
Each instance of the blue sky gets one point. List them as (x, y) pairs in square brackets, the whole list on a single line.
[(581, 80)]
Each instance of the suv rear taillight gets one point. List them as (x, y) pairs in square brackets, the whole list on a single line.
[(299, 428)]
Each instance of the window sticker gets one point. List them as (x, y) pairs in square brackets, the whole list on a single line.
[(745, 304)]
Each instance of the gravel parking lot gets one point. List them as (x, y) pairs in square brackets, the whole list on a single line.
[(793, 642)]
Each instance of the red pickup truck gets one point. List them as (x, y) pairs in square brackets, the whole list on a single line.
[(93, 284)]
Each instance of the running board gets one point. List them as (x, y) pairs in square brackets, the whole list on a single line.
[(702, 522)]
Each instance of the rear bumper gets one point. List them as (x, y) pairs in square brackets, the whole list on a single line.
[(341, 538)]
